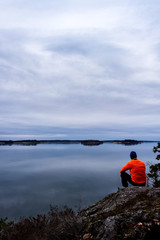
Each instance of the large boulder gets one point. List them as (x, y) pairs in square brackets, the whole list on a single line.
[(130, 213)]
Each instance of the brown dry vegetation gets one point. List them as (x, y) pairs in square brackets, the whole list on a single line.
[(57, 224)]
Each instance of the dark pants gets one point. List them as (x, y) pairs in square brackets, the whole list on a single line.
[(125, 178)]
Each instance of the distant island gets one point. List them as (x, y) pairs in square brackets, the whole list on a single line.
[(91, 142), (83, 142)]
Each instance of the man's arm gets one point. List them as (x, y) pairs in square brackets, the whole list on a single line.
[(125, 168)]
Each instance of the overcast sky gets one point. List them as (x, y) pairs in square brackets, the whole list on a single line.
[(77, 69)]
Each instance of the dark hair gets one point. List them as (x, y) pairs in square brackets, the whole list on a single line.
[(133, 155)]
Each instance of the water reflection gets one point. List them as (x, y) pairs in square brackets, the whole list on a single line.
[(33, 177)]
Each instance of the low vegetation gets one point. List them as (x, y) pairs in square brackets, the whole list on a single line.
[(58, 224), (154, 171)]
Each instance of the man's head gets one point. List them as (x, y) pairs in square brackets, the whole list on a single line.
[(133, 155)]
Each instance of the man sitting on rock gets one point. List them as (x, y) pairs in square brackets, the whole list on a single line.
[(137, 171)]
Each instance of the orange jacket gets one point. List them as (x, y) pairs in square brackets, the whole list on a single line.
[(137, 170)]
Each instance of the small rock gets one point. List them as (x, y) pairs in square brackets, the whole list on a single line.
[(87, 236)]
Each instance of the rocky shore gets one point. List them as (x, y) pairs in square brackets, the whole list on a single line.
[(132, 213)]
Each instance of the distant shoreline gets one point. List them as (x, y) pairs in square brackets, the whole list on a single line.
[(84, 142)]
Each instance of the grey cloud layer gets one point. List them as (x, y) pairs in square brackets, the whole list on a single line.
[(80, 74)]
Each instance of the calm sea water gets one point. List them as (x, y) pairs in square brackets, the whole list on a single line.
[(34, 177)]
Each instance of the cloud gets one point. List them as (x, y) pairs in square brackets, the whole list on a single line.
[(84, 64)]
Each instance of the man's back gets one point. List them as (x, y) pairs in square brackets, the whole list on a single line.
[(137, 170)]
